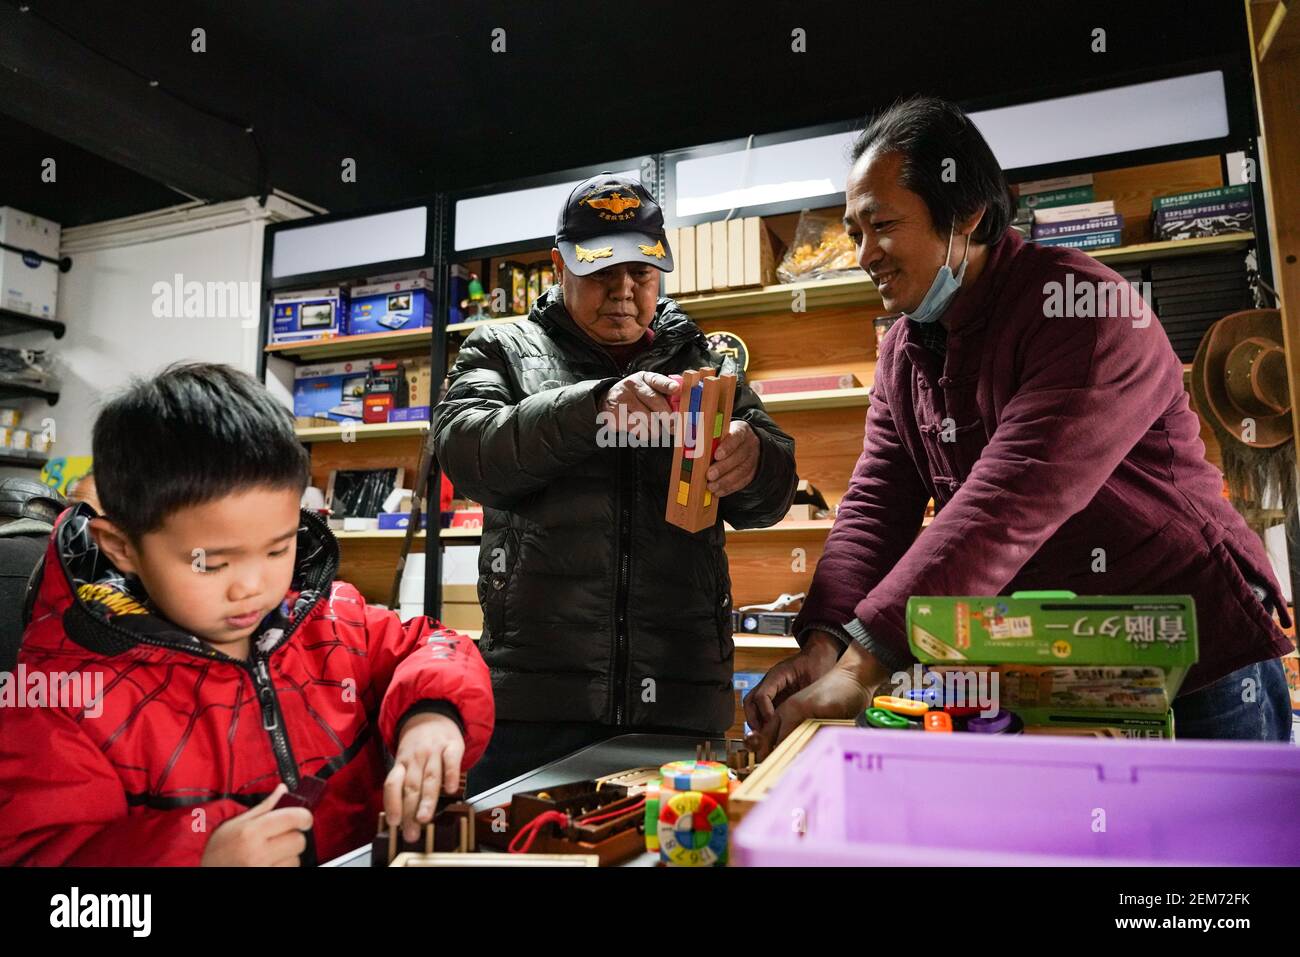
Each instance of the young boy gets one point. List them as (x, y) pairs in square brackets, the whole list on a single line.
[(201, 659)]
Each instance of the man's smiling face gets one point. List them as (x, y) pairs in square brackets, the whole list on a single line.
[(892, 230)]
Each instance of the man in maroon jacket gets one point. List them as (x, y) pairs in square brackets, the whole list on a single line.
[(1048, 438)]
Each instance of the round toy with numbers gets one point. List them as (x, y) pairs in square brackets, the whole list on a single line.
[(692, 825)]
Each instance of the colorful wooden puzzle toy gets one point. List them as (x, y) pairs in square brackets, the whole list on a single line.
[(705, 403)]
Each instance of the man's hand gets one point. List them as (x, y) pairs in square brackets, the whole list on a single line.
[(646, 393), (735, 461), (841, 692), (260, 837), (429, 752), (817, 656)]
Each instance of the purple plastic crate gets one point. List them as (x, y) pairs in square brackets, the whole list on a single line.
[(869, 798)]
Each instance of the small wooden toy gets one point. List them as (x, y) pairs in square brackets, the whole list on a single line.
[(705, 403)]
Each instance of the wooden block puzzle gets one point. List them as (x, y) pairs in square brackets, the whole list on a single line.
[(705, 402)]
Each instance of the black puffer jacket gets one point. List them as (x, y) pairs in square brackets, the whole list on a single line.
[(594, 607)]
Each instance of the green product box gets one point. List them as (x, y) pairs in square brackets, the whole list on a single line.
[(1057, 197), (1097, 665)]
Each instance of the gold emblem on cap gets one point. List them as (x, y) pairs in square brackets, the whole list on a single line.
[(657, 250), (591, 255), (614, 203)]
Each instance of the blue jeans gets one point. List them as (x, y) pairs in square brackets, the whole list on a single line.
[(1221, 710)]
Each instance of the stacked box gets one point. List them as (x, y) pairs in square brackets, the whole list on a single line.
[(405, 303), (1106, 666), (310, 314)]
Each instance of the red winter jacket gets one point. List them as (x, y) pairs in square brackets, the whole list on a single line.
[(1041, 440), (183, 737)]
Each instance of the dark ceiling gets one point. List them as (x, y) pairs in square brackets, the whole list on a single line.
[(414, 93)]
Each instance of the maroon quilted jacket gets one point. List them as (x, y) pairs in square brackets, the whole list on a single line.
[(1041, 440)]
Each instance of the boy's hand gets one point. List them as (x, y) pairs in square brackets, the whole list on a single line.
[(429, 752), (260, 837)]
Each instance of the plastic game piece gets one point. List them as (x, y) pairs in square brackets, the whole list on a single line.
[(704, 404), (652, 819), (1004, 722), (694, 775), (693, 829), (913, 709), (938, 721), (880, 718)]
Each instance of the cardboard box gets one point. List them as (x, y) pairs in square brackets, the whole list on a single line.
[(684, 259), (330, 390), (670, 286), (460, 607), (704, 257), (419, 382), (1108, 666), (28, 286), (415, 413), (736, 252), (721, 260), (390, 521), (310, 314), (405, 303), (760, 263)]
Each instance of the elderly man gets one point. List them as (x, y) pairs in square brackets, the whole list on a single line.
[(1040, 439), (599, 618)]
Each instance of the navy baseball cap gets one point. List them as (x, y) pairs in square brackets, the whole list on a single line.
[(610, 219)]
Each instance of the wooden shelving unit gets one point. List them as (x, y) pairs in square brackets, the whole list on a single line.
[(830, 399), (360, 432), (344, 347)]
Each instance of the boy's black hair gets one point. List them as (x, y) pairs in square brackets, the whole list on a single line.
[(927, 132), (194, 433)]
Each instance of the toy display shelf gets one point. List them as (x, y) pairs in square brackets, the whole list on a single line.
[(16, 390), (362, 431), (21, 461), (14, 323), (829, 399), (398, 533), (859, 290), (343, 347), (468, 327)]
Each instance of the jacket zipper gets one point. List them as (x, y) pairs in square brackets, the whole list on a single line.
[(626, 498)]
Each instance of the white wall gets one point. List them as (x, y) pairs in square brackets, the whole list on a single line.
[(107, 301)]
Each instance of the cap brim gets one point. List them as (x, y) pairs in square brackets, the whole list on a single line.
[(589, 255)]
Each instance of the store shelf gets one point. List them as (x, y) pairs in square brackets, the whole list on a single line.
[(802, 529), (342, 347), (860, 290), (764, 642), (21, 461), (10, 390), (1174, 247), (377, 535), (854, 290), (829, 399), (468, 327), (13, 323), (361, 431), (461, 533)]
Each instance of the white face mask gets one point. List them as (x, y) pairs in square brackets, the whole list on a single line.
[(943, 288)]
